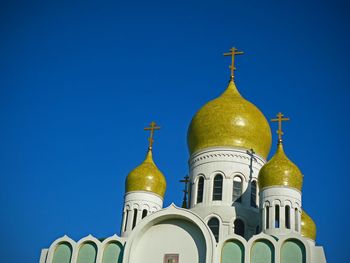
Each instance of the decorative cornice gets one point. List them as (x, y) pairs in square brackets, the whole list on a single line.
[(225, 155)]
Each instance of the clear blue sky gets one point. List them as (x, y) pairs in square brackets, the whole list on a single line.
[(80, 80)]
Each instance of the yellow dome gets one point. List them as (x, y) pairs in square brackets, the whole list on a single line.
[(280, 171), (146, 177), (232, 121), (308, 226)]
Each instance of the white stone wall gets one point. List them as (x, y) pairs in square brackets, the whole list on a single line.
[(180, 231), (282, 196), (138, 201), (229, 162)]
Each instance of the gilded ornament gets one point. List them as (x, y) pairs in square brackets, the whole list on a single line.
[(146, 177), (308, 226), (229, 121), (280, 171)]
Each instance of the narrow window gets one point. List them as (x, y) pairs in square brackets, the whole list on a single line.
[(134, 219), (296, 220), (217, 191), (253, 194), (277, 216), (239, 227), (267, 223), (237, 189), (200, 190), (287, 216), (214, 226), (126, 220), (144, 213), (189, 194)]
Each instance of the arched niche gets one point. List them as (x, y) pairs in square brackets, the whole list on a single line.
[(293, 251), (63, 253), (262, 251), (232, 252), (87, 253), (170, 236), (113, 253)]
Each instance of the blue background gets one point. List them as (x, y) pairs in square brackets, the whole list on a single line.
[(80, 80)]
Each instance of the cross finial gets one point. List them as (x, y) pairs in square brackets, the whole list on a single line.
[(233, 51), (152, 127), (279, 119), (185, 181)]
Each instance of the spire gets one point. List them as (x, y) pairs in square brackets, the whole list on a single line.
[(279, 119), (233, 51)]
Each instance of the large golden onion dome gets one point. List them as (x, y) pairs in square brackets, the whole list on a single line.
[(280, 171), (308, 226), (232, 121), (146, 177)]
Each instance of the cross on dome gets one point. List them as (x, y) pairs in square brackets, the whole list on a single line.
[(153, 127), (279, 119), (234, 51)]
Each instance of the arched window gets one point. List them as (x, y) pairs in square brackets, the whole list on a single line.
[(296, 219), (134, 219), (293, 251), (287, 216), (214, 226), (126, 220), (237, 189), (112, 252), (189, 194), (217, 189), (253, 194), (87, 253), (239, 227), (267, 222), (63, 253), (144, 213), (277, 216), (262, 251), (200, 190)]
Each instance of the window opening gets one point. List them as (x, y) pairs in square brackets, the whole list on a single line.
[(214, 226), (217, 190), (200, 190), (237, 189)]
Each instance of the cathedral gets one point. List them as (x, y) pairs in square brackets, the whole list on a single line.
[(238, 206)]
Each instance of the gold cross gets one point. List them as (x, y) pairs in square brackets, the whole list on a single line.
[(153, 126), (234, 51), (279, 119)]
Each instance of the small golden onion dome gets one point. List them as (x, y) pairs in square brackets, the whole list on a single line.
[(308, 226), (280, 171), (146, 177), (232, 121)]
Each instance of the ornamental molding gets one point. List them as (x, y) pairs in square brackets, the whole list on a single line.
[(220, 156)]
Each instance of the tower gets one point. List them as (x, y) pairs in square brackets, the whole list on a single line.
[(144, 189), (229, 140), (280, 183)]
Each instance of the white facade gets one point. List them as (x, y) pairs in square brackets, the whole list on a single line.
[(137, 205), (281, 210), (239, 169), (180, 231), (187, 235)]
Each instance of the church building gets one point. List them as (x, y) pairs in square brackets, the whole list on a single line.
[(241, 207)]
